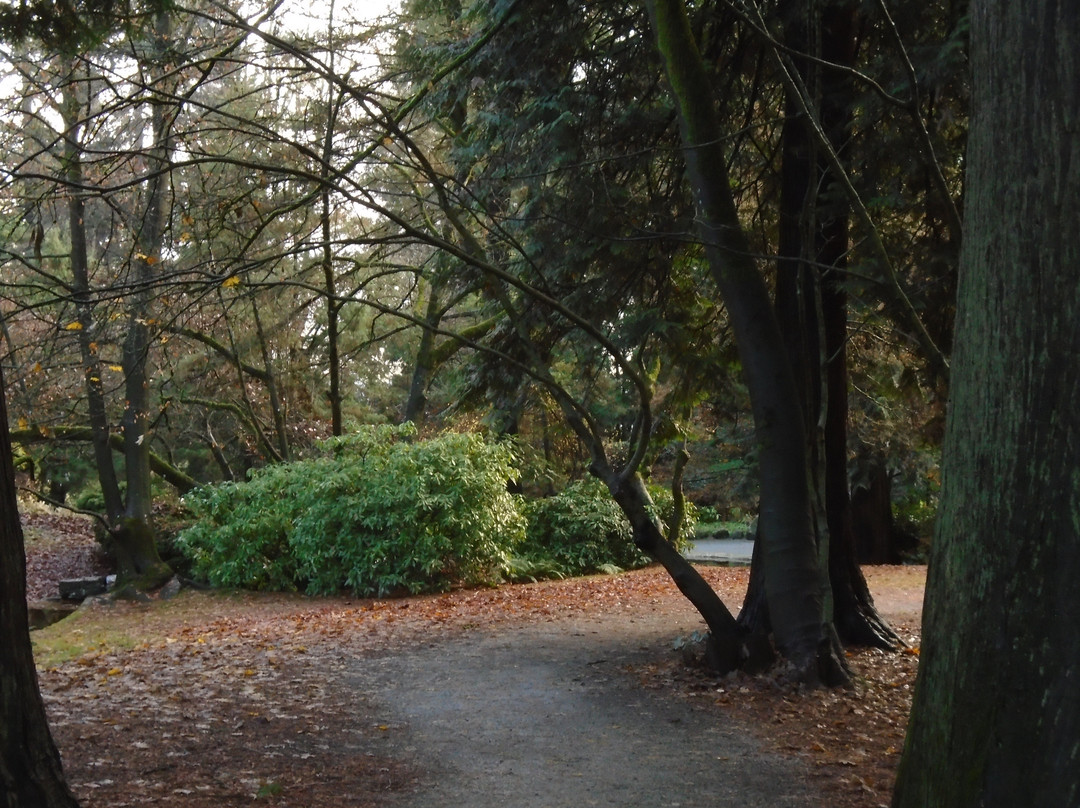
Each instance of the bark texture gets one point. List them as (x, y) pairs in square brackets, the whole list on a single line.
[(80, 273), (855, 617), (30, 772), (996, 718), (793, 581), (726, 650), (133, 535)]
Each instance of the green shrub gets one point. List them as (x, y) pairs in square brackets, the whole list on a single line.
[(581, 530), (373, 513)]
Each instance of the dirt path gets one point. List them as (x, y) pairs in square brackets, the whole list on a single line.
[(552, 716), (554, 694)]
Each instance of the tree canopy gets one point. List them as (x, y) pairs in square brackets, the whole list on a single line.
[(237, 233)]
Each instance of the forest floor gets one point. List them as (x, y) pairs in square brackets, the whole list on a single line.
[(550, 694)]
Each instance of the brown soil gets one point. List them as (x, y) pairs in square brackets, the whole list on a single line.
[(559, 693)]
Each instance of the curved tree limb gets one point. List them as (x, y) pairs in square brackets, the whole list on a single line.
[(179, 480)]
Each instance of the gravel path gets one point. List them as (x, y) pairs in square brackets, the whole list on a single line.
[(552, 715)]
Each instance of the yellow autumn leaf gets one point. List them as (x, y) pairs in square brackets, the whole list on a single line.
[(73, 327), (114, 672), (230, 282), (249, 672), (117, 368)]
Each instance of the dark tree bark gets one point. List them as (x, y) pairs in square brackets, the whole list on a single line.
[(424, 366), (80, 273), (856, 618), (996, 718), (798, 315), (726, 647), (333, 304), (31, 775), (794, 580), (878, 539), (277, 408), (135, 548), (811, 306)]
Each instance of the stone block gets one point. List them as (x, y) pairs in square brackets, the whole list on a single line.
[(82, 588)]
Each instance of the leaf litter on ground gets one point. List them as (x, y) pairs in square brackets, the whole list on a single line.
[(223, 698)]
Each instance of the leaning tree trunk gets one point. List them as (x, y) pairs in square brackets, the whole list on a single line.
[(793, 580), (31, 775), (726, 646), (996, 718)]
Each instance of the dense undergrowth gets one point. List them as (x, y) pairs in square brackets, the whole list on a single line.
[(381, 512)]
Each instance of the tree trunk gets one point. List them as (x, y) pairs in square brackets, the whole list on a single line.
[(996, 718), (137, 554), (726, 652), (416, 405), (333, 305), (854, 614), (277, 409), (80, 274), (793, 580), (878, 540), (31, 775)]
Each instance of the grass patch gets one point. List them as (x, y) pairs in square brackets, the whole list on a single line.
[(724, 530), (86, 633), (103, 626)]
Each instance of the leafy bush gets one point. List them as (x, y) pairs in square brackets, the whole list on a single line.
[(373, 513), (581, 530)]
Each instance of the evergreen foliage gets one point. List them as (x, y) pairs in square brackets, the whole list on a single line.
[(377, 513), (373, 513), (582, 530)]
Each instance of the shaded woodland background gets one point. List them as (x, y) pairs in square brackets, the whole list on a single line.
[(230, 235)]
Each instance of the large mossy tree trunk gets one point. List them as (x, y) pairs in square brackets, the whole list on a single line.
[(31, 775), (794, 584), (996, 718)]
